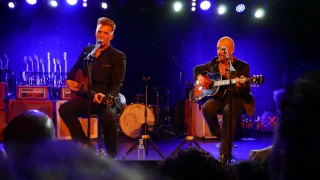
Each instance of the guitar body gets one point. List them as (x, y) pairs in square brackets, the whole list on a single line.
[(83, 81), (200, 95)]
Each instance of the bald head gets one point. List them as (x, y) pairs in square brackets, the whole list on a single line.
[(27, 129), (226, 40), (227, 43)]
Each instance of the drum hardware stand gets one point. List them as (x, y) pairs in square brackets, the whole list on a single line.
[(188, 138), (159, 126), (145, 137)]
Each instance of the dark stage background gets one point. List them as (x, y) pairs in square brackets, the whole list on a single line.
[(161, 44)]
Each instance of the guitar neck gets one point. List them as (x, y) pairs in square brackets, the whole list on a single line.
[(224, 82), (86, 91)]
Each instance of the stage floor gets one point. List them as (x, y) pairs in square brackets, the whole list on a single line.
[(167, 146)]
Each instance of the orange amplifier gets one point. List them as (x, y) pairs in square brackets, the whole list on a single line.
[(65, 93), (32, 92), (3, 93)]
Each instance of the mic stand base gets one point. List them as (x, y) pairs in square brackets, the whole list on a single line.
[(188, 138), (145, 137)]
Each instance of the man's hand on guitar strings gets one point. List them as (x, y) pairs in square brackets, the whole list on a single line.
[(72, 85), (240, 81), (203, 80), (98, 98)]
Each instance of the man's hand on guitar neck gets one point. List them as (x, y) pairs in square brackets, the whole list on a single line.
[(240, 81), (72, 85), (203, 80), (98, 98)]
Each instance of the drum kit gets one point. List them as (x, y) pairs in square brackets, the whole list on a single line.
[(132, 117)]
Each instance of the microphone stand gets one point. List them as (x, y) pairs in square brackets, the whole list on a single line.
[(231, 69), (88, 62), (181, 88)]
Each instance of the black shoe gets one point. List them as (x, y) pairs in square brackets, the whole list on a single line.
[(223, 160)]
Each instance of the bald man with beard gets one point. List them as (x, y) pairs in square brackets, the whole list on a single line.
[(241, 94)]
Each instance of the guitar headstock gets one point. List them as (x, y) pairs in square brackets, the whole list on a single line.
[(25, 59), (256, 80), (36, 57), (65, 56), (109, 100)]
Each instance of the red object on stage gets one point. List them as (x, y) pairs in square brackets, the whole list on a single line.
[(3, 92), (16, 107), (32, 92), (3, 123), (65, 93)]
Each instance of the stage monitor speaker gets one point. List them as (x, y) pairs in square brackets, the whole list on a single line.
[(16, 107), (63, 132), (3, 123)]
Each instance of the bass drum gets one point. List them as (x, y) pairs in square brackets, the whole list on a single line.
[(132, 119)]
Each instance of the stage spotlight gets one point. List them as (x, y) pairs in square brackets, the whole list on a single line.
[(84, 4), (259, 13), (222, 9), (177, 6), (52, 3), (12, 4), (32, 2), (193, 8), (72, 2), (205, 5), (104, 5), (240, 8)]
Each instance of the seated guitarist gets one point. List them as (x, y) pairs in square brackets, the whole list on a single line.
[(241, 97), (108, 72)]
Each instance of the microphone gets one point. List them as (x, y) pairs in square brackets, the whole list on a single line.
[(99, 41)]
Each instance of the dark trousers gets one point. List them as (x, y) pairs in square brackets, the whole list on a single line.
[(72, 109), (211, 108)]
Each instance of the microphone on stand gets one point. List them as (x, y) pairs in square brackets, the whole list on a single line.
[(224, 49), (91, 54)]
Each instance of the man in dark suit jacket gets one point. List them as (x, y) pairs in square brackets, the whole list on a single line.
[(108, 72), (241, 97)]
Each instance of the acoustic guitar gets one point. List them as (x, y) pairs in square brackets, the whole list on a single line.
[(82, 81), (217, 87)]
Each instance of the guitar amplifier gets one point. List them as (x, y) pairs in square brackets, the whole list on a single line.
[(3, 123), (62, 130), (65, 93), (3, 93), (201, 127), (16, 107), (32, 92)]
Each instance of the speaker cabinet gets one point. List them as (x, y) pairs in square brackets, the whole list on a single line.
[(16, 107), (3, 93), (63, 132), (201, 126)]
